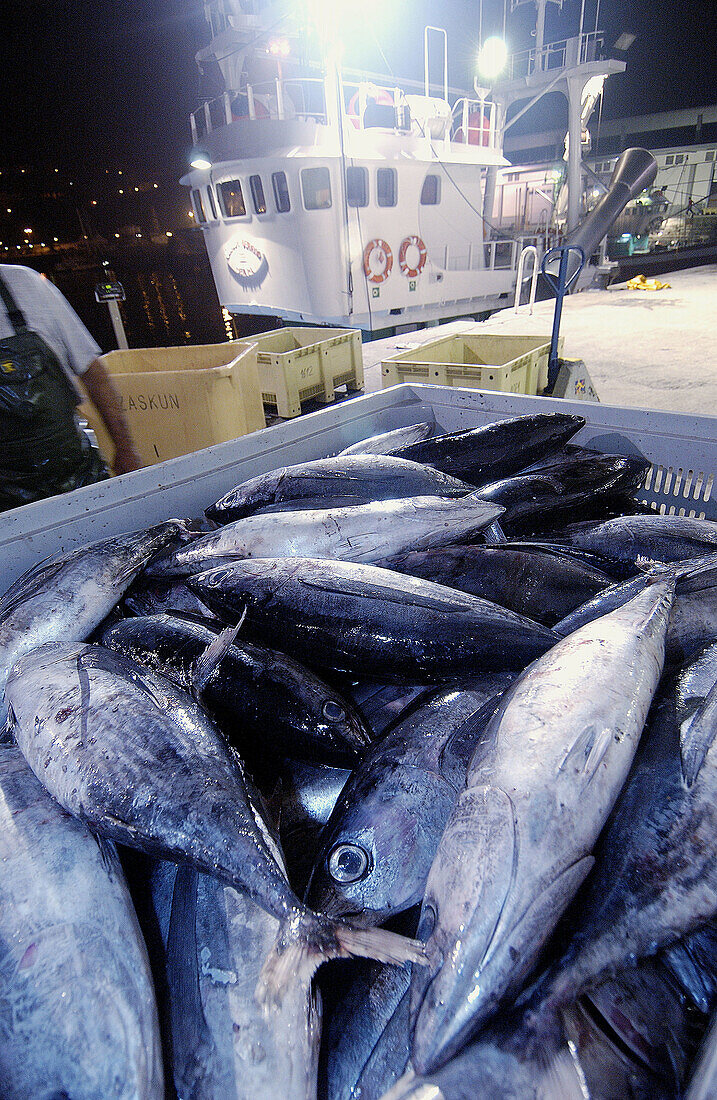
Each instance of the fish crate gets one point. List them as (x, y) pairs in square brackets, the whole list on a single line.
[(296, 364), (681, 448), (481, 361), (182, 399)]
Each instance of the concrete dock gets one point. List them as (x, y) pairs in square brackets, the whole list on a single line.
[(644, 349)]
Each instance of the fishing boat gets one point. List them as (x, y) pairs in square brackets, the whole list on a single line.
[(339, 197)]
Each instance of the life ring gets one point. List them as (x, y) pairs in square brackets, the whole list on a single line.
[(378, 95), (380, 252), (406, 269)]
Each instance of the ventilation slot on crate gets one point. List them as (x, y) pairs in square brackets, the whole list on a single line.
[(668, 482)]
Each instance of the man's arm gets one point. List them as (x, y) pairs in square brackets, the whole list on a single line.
[(107, 402)]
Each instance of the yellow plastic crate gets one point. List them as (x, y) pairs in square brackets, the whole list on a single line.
[(511, 364), (179, 400), (296, 364)]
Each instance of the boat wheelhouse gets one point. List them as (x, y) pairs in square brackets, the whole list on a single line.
[(331, 197)]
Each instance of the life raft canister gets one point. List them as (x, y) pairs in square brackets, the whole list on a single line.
[(412, 263), (377, 260)]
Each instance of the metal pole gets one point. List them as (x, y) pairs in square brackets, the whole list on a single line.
[(540, 35), (117, 325), (575, 88)]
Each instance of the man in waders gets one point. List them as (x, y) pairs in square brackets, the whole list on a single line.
[(43, 346)]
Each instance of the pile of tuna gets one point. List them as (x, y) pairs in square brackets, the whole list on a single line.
[(440, 707)]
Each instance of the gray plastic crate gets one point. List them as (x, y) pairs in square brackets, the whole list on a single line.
[(681, 448)]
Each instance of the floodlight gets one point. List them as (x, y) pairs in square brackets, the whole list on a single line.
[(492, 58), (200, 159)]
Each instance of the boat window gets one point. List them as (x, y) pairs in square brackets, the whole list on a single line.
[(198, 206), (231, 199), (281, 192), (710, 155), (257, 194), (669, 160), (316, 188), (431, 191), (357, 186), (386, 186), (212, 204)]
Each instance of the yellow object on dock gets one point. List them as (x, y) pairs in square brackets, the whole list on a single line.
[(639, 282), (179, 400)]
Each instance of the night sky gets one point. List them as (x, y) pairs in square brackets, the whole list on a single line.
[(108, 82)]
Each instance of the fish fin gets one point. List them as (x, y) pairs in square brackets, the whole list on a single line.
[(303, 945), (697, 736), (494, 534), (562, 1077), (190, 1033), (213, 656), (586, 752)]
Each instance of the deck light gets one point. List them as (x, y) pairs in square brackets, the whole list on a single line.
[(200, 159), (492, 57)]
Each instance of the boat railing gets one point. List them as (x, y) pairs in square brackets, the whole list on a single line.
[(556, 55), (475, 123), (498, 255), (301, 98)]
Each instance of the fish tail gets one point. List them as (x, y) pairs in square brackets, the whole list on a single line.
[(304, 943)]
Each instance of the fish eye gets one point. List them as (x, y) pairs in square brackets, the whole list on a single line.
[(333, 712), (348, 863)]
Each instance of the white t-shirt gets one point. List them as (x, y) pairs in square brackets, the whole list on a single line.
[(49, 314)]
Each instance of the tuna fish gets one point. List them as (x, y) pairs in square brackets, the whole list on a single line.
[(381, 838), (638, 540), (496, 450), (77, 1009), (388, 442), (366, 1045), (364, 478), (65, 599), (133, 756), (576, 486), (265, 703), (362, 533), (224, 1047), (543, 587), (656, 876), (370, 621), (538, 791)]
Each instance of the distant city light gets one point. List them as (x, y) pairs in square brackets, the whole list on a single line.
[(28, 231), (57, 169), (121, 191), (94, 202), (55, 238), (155, 185), (117, 235), (190, 213), (9, 210), (492, 58), (136, 188), (170, 233)]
